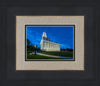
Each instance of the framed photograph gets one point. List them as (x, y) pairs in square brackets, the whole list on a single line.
[(53, 42), (49, 43)]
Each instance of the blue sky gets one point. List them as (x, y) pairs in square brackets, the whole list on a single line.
[(60, 34)]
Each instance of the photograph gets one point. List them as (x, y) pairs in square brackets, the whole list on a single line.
[(49, 42)]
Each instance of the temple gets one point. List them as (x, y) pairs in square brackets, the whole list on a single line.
[(47, 45)]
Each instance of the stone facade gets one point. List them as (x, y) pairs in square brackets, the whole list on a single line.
[(47, 45)]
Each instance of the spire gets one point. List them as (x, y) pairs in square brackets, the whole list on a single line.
[(44, 35)]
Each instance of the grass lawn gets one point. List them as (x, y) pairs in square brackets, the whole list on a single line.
[(39, 57), (61, 53)]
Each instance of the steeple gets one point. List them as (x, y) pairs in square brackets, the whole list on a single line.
[(44, 35), (47, 45)]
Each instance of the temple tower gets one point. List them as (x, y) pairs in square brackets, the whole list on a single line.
[(47, 45)]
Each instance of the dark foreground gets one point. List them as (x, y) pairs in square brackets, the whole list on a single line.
[(60, 54)]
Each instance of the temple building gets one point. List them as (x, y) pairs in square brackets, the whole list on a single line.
[(47, 45)]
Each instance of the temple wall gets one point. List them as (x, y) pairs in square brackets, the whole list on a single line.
[(50, 46)]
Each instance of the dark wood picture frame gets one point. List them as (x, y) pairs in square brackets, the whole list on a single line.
[(8, 74)]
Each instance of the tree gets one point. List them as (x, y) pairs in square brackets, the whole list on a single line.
[(28, 43), (69, 49), (31, 47)]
